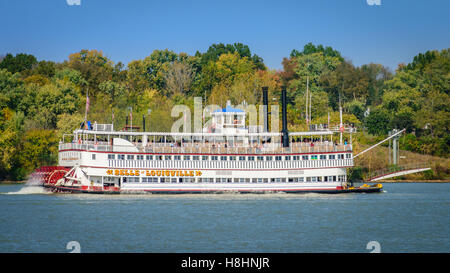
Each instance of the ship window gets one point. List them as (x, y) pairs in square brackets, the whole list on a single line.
[(287, 157), (195, 157), (301, 179), (277, 158), (214, 157), (319, 179), (133, 179), (266, 180), (168, 157), (93, 156), (149, 157), (260, 158), (204, 157), (272, 180), (159, 157), (251, 158), (323, 157), (130, 157), (331, 157), (269, 158), (304, 157), (242, 158), (260, 180), (348, 155), (217, 180), (242, 180), (296, 157), (224, 158), (177, 157), (254, 180), (187, 157), (111, 157), (140, 157), (233, 158), (308, 179), (121, 157), (174, 180), (277, 179), (314, 157)]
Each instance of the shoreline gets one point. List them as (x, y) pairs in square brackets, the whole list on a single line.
[(407, 181), (8, 182)]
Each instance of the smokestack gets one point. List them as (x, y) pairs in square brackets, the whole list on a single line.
[(284, 131), (143, 123), (266, 108)]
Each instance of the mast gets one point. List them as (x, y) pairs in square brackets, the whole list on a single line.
[(306, 102), (340, 117)]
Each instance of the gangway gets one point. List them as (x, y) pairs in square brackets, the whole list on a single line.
[(398, 170)]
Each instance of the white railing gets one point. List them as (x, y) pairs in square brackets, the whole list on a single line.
[(165, 148)]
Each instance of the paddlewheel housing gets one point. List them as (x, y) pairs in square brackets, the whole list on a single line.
[(49, 175)]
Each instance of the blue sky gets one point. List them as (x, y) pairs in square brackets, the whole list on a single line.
[(390, 33)]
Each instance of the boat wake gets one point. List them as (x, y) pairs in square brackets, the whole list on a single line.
[(32, 186)]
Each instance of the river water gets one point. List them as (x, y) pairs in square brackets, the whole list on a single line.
[(409, 217)]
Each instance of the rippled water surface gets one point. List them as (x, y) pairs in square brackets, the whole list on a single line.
[(413, 217)]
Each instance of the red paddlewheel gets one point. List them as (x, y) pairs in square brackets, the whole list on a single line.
[(49, 174), (55, 176)]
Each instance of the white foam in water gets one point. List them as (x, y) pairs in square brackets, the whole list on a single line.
[(32, 186)]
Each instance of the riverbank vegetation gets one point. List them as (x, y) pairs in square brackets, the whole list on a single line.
[(42, 100)]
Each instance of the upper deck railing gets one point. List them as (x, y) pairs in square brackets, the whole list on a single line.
[(195, 148)]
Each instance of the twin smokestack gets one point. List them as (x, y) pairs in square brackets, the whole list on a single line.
[(284, 130)]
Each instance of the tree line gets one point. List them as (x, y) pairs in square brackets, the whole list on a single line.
[(42, 100)]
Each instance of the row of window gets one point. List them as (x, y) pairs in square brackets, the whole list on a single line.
[(334, 178), (228, 158)]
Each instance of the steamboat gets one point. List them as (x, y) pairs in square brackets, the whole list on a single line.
[(231, 157)]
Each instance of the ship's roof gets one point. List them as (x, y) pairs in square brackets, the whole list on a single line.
[(229, 109)]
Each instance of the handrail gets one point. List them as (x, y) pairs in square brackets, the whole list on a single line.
[(209, 149), (398, 168)]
